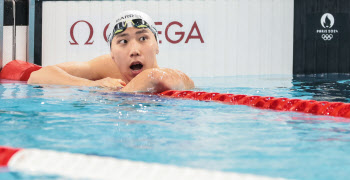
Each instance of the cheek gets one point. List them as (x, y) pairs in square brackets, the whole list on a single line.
[(151, 49), (117, 56), (120, 60)]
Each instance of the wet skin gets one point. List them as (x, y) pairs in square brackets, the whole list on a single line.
[(131, 66), (134, 51)]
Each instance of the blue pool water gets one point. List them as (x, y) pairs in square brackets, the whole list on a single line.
[(186, 133)]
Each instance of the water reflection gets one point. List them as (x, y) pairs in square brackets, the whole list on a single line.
[(323, 87)]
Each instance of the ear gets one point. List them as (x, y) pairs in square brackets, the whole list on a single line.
[(111, 54), (110, 50), (157, 49)]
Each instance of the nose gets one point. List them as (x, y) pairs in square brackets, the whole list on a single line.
[(134, 53), (135, 49)]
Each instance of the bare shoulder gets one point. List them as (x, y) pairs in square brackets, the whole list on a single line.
[(172, 72), (104, 66), (171, 77), (97, 68), (103, 59)]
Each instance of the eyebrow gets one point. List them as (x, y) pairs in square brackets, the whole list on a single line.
[(137, 32), (122, 35), (142, 31)]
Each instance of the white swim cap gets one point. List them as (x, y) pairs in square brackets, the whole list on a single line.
[(128, 16)]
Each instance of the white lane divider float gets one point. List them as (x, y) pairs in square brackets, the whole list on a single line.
[(36, 161)]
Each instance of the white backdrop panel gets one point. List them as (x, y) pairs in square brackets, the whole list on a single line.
[(21, 44), (233, 37)]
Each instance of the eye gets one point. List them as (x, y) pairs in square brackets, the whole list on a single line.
[(123, 41), (143, 38)]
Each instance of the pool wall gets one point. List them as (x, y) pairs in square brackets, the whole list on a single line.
[(321, 36), (1, 31), (13, 47), (201, 38)]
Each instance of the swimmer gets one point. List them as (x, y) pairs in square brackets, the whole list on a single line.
[(131, 65)]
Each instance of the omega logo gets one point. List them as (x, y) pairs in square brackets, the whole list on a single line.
[(90, 36), (180, 34)]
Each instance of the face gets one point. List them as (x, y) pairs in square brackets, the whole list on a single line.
[(134, 50)]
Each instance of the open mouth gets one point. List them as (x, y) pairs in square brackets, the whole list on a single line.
[(135, 66)]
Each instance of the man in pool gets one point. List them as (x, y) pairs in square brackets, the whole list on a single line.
[(131, 65)]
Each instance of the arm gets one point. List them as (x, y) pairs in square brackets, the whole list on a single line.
[(56, 75), (159, 80), (76, 73)]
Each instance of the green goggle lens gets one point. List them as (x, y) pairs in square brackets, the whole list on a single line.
[(118, 31), (142, 26)]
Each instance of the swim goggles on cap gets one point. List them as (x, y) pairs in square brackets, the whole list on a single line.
[(137, 23)]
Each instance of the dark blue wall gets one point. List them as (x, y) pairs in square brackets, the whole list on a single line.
[(313, 54), (21, 13)]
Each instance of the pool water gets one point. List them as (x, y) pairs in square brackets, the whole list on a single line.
[(185, 133)]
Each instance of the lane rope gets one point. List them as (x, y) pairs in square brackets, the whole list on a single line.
[(18, 70), (266, 102), (80, 166)]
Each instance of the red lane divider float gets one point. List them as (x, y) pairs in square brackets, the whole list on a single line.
[(5, 155), (263, 102), (18, 70)]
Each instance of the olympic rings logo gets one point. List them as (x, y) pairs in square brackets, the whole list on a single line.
[(327, 37)]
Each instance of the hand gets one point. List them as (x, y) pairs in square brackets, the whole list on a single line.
[(109, 83)]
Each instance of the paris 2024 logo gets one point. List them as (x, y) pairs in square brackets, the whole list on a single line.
[(327, 22)]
